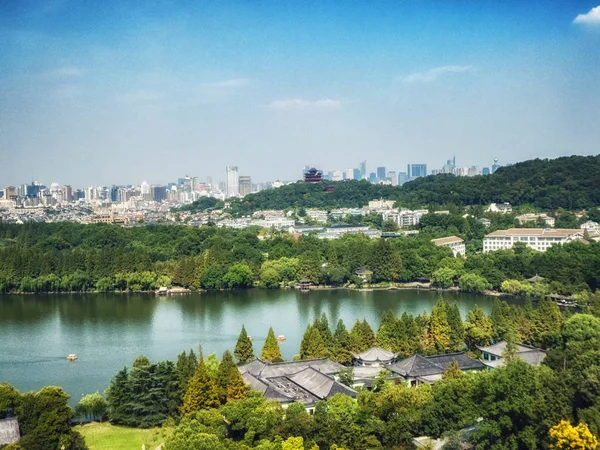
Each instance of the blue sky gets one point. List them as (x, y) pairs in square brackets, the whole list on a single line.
[(125, 91)]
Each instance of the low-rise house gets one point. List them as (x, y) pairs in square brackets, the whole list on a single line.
[(364, 274), (454, 243), (318, 215), (9, 431), (591, 227), (492, 355), (305, 229), (381, 204), (303, 381), (417, 369), (485, 222), (539, 239), (501, 208), (529, 218), (339, 229)]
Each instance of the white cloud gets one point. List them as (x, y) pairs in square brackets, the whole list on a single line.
[(298, 103), (433, 74), (591, 18), (233, 83)]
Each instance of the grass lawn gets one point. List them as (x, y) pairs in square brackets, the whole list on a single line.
[(104, 436)]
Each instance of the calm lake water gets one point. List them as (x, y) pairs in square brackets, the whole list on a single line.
[(108, 331)]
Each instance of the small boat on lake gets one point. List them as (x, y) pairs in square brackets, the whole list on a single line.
[(249, 338), (72, 357), (281, 337)]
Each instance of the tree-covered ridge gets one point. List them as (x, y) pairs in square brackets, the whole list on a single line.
[(73, 257), (566, 182)]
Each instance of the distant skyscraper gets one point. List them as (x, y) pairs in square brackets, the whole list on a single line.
[(245, 185), (159, 193), (381, 173), (495, 166), (357, 174), (417, 170), (363, 170), (233, 188), (373, 177), (485, 171), (145, 191), (402, 178), (393, 177)]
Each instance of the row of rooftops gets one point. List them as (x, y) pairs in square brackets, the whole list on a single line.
[(304, 381), (307, 381)]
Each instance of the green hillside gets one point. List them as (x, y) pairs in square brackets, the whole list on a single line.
[(568, 182)]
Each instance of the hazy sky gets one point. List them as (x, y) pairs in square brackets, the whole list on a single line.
[(102, 92)]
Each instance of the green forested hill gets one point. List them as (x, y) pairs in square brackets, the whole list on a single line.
[(569, 182)]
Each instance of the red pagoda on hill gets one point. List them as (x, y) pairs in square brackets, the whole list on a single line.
[(313, 175)]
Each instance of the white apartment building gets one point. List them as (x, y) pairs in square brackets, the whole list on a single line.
[(538, 239), (232, 188), (381, 204), (591, 227), (528, 218), (499, 208), (317, 214), (454, 243)]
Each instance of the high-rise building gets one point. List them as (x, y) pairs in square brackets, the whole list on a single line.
[(357, 174), (245, 185), (417, 170), (232, 187), (363, 170), (373, 177), (485, 171), (393, 177), (381, 173), (159, 193), (145, 191), (113, 193), (495, 166)]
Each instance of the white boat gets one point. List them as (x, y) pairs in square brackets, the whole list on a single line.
[(72, 357)]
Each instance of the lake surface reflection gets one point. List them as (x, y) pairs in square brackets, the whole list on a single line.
[(108, 331)]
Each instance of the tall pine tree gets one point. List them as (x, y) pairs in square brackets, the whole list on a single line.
[(312, 345), (243, 348), (271, 350), (388, 333), (202, 392), (457, 329), (439, 329), (341, 351), (236, 386), (323, 326), (223, 373)]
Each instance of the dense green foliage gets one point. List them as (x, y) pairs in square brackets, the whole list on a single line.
[(567, 182), (71, 257), (44, 418), (518, 403)]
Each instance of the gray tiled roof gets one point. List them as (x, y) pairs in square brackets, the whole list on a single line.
[(319, 384), (421, 366), (306, 385), (499, 348), (267, 370), (255, 383), (375, 354)]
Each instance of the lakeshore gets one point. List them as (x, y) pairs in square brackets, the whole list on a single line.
[(108, 331)]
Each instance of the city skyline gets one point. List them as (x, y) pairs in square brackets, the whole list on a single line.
[(103, 93)]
